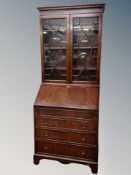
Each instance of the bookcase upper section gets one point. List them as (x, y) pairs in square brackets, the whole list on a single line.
[(71, 43)]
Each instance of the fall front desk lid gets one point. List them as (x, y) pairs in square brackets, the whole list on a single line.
[(68, 95)]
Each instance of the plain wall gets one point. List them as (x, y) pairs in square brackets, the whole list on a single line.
[(20, 78)]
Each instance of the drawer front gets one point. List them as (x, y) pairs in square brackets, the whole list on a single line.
[(89, 114), (88, 125), (45, 147), (66, 136)]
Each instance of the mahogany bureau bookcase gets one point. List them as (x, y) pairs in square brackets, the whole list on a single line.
[(66, 110)]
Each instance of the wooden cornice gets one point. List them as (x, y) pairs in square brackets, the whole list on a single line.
[(72, 7)]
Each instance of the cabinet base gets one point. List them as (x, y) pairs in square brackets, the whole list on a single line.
[(65, 160)]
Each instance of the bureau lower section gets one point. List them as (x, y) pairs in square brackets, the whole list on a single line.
[(66, 135)]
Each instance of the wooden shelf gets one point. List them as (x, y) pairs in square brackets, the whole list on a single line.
[(76, 68), (64, 30), (57, 48)]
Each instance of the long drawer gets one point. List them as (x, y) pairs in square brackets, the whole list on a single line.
[(52, 148), (85, 125), (78, 137), (87, 114)]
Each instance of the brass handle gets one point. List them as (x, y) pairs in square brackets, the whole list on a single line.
[(45, 123), (46, 134), (83, 153), (83, 139), (45, 148), (83, 126)]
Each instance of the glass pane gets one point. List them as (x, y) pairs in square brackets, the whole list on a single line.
[(54, 38), (85, 47)]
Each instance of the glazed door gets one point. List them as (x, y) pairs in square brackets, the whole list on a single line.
[(54, 47), (70, 47), (85, 48)]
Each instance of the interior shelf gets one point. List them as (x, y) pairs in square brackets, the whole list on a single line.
[(75, 68), (55, 48)]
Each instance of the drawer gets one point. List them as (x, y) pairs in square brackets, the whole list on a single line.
[(82, 138), (52, 148), (89, 114), (88, 125)]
